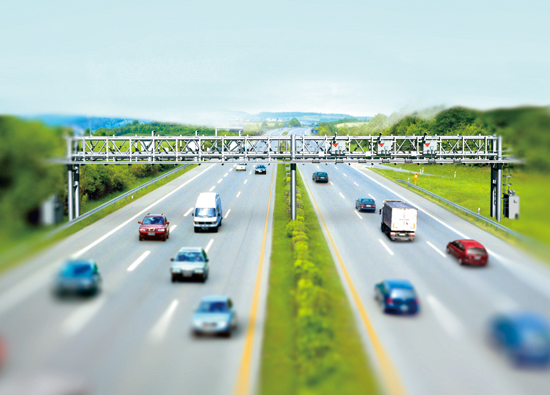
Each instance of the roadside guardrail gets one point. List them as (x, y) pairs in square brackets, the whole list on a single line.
[(469, 212), (115, 200)]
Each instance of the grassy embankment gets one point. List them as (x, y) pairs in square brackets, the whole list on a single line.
[(471, 189), (15, 251), (311, 343)]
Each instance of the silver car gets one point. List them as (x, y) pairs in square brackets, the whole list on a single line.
[(215, 315), (189, 263)]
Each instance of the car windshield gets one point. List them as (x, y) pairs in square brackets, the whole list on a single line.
[(77, 270), (403, 294), (189, 257), (153, 221), (476, 251), (321, 174), (205, 212), (213, 307)]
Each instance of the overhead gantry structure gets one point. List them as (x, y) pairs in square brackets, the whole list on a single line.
[(128, 150)]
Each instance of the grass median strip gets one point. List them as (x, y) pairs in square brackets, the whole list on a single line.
[(311, 341)]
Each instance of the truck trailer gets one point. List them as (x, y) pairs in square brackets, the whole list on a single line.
[(398, 220)]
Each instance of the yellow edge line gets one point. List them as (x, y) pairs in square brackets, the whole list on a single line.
[(242, 386), (390, 376)]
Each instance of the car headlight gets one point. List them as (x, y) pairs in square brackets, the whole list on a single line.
[(199, 270), (223, 324), (175, 270), (161, 230), (197, 323)]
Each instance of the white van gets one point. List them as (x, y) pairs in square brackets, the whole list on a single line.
[(208, 212)]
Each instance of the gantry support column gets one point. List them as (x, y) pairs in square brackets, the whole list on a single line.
[(292, 178), (76, 191), (70, 198)]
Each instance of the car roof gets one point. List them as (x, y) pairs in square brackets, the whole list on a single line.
[(401, 284), (215, 298), (470, 243), (190, 249), (154, 215), (79, 262)]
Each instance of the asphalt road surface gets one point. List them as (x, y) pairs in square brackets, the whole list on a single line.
[(444, 349), (134, 338)]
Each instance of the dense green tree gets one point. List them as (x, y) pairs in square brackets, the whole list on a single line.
[(294, 123)]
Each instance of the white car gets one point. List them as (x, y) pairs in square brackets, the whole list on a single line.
[(241, 166)]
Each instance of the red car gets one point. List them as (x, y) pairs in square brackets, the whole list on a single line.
[(468, 252), (154, 226), (2, 353)]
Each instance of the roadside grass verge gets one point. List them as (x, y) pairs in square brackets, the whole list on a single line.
[(38, 240), (311, 342), (471, 189)]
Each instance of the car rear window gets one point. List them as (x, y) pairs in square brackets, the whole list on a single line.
[(78, 270), (153, 221), (189, 257), (205, 212), (321, 174), (477, 251), (403, 294), (367, 201), (213, 307)]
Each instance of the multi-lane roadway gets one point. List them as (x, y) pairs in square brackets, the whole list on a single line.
[(135, 336)]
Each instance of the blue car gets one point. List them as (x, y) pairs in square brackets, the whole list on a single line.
[(80, 277), (396, 296), (215, 316), (525, 337)]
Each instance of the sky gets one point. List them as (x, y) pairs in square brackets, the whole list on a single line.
[(185, 61)]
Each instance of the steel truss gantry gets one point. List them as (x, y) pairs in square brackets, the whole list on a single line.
[(293, 149), (307, 149)]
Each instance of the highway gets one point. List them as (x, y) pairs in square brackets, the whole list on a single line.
[(444, 349), (135, 336)]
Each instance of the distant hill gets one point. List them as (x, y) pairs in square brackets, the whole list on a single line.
[(303, 117), (80, 123)]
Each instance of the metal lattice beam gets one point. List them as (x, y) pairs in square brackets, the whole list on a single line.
[(269, 149)]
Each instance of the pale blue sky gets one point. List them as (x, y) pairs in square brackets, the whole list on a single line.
[(181, 61)]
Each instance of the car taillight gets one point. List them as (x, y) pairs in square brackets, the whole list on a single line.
[(412, 234), (392, 234), (389, 300), (363, 206), (416, 301)]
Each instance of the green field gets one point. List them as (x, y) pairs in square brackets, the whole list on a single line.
[(283, 346), (471, 189)]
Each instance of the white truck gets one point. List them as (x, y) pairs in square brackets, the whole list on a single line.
[(399, 220)]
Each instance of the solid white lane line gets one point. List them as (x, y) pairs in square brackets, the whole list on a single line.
[(188, 212), (220, 180), (172, 228), (81, 317), (355, 183), (344, 174), (211, 189), (138, 261), (331, 183), (148, 208), (446, 319), (209, 245), (371, 196), (225, 175), (238, 193), (437, 249), (227, 214), (343, 197), (158, 331), (359, 215), (385, 246), (245, 181)]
